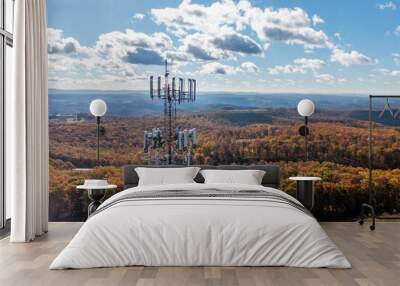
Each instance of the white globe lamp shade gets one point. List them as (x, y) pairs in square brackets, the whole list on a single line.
[(305, 107), (98, 107)]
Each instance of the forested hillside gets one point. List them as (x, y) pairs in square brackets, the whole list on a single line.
[(338, 153)]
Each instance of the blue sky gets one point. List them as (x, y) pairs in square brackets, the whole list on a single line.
[(315, 46)]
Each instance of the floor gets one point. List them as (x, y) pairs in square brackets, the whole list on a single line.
[(375, 257)]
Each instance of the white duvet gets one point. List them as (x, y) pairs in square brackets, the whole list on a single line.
[(202, 232)]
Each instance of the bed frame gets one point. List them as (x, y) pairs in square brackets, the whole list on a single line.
[(270, 179)]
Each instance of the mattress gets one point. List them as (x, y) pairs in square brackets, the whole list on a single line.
[(201, 225)]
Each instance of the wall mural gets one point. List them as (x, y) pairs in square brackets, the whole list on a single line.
[(251, 62)]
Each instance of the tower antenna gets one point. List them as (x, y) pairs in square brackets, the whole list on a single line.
[(172, 94)]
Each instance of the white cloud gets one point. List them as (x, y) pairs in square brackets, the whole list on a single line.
[(209, 32), (249, 67), (114, 57), (266, 46), (67, 56), (389, 72), (301, 66), (350, 58), (397, 30), (58, 44), (292, 26), (324, 78), (221, 69), (388, 5), (216, 36), (237, 42), (288, 69), (200, 46), (189, 17), (313, 64), (218, 68), (226, 44), (396, 58), (317, 20), (133, 47), (138, 17)]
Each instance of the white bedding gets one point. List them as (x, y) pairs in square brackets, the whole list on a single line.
[(200, 231)]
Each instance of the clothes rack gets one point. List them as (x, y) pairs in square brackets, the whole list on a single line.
[(371, 205)]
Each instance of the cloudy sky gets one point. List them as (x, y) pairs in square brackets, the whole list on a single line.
[(341, 46)]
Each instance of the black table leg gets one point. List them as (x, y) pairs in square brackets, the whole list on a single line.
[(96, 197), (305, 193)]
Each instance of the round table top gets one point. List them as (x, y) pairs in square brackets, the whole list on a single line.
[(86, 187), (305, 178)]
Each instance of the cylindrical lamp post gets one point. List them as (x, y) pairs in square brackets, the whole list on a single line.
[(98, 108), (305, 108)]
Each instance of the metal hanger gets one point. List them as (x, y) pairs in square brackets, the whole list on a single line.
[(387, 108)]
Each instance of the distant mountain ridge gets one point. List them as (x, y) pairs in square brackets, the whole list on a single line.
[(139, 103)]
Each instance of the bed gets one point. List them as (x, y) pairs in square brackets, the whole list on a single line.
[(198, 224)]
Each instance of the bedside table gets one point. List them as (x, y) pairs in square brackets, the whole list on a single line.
[(96, 195), (305, 190)]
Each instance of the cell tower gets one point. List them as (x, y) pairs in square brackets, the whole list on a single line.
[(172, 92)]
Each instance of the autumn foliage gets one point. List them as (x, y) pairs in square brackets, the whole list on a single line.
[(338, 154)]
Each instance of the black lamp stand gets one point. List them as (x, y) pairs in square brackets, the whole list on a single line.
[(304, 131), (306, 136), (98, 138)]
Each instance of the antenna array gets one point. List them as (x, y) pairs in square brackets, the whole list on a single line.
[(172, 91)]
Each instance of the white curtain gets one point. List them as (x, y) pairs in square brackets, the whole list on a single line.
[(27, 124)]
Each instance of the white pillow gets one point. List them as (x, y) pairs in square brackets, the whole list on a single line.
[(166, 176), (248, 177)]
